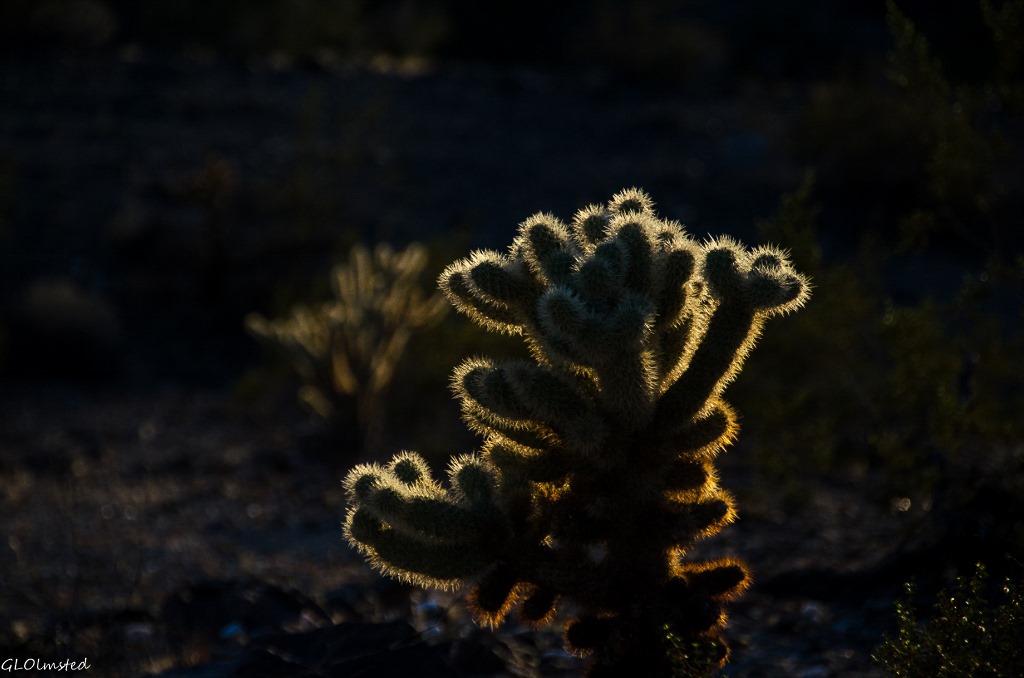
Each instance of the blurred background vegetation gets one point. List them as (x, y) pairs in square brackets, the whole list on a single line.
[(880, 142), (906, 118)]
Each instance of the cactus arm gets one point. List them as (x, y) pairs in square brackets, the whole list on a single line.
[(442, 565), (487, 312)]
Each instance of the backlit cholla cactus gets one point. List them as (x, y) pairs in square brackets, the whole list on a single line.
[(596, 473), (345, 351)]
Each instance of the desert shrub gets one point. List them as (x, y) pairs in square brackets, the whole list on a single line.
[(345, 351), (916, 384), (967, 635), (596, 475), (936, 155), (819, 418), (921, 395)]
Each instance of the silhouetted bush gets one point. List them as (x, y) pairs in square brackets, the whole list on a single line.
[(968, 633)]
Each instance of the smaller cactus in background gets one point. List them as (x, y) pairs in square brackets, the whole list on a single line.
[(345, 350), (596, 473)]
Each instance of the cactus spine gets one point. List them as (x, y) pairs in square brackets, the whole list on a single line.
[(596, 473)]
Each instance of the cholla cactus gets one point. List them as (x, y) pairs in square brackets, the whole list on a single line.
[(596, 473), (345, 351)]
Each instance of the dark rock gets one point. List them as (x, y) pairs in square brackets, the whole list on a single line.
[(388, 649), (195, 616)]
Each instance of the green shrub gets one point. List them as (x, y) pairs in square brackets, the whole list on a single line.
[(920, 399), (936, 155), (966, 635)]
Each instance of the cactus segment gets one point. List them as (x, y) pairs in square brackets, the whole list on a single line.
[(719, 579), (704, 436), (677, 267), (533, 437), (541, 467), (688, 521), (683, 476), (589, 226), (631, 200), (491, 314), (494, 595), (409, 468), (442, 565), (539, 606), (546, 246)]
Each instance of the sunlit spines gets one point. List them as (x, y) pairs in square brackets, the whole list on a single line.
[(474, 482), (494, 595), (701, 437), (688, 521), (631, 200), (724, 269), (676, 267), (554, 399), (547, 247), (775, 288), (410, 502), (730, 333), (669, 234), (684, 476), (722, 579), (501, 280), (481, 386), (631, 232), (629, 385), (415, 530), (539, 606), (597, 282), (362, 480), (589, 226), (426, 516), (597, 465), (543, 466), (490, 314), (670, 297), (531, 435), (410, 469), (740, 295), (570, 328), (440, 564), (762, 279)]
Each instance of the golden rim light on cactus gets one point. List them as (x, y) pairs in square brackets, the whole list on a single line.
[(596, 473)]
